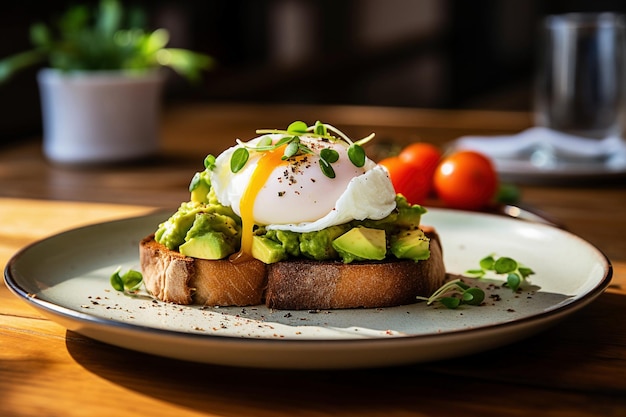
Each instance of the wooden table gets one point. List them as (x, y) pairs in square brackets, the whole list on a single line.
[(577, 368)]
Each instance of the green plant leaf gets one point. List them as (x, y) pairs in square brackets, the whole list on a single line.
[(525, 272), (128, 282), (297, 127), (291, 149), (265, 141), (465, 295), (209, 162), (116, 281), (132, 280), (329, 155), (513, 281), (104, 38), (515, 272), (109, 17), (238, 159), (320, 129), (155, 41), (327, 169), (504, 265), (195, 181), (450, 302), (40, 35), (356, 153), (487, 263), (473, 296)]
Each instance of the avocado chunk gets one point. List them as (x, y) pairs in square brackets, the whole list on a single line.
[(288, 240), (267, 251), (361, 243), (171, 232), (319, 245), (410, 244), (207, 246), (409, 215), (212, 236)]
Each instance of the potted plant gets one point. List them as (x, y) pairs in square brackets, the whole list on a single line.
[(101, 89)]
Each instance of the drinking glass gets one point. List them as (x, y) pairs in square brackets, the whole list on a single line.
[(581, 75)]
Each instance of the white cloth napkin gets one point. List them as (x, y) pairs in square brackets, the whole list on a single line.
[(535, 140)]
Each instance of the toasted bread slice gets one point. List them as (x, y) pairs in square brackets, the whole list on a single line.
[(304, 284), (173, 277), (290, 285)]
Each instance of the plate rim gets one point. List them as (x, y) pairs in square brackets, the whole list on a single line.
[(552, 315)]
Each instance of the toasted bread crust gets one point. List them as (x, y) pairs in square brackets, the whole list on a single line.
[(166, 273), (173, 277), (305, 284), (291, 285)]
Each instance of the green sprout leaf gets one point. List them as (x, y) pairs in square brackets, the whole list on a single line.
[(128, 283), (320, 129), (266, 142), (132, 280), (239, 159), (477, 273), (487, 263), (292, 148), (209, 162), (329, 155), (297, 127), (450, 302), (117, 282), (505, 265), (327, 169), (524, 271), (195, 181), (513, 281), (454, 293), (291, 138), (356, 153), (473, 296), (515, 273)]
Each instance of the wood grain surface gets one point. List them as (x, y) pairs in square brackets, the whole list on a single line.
[(576, 368)]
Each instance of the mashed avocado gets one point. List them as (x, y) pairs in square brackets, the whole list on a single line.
[(203, 228)]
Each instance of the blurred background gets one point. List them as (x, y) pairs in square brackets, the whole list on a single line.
[(406, 53)]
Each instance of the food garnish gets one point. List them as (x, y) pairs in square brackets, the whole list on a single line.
[(516, 273), (128, 283), (293, 146), (454, 293)]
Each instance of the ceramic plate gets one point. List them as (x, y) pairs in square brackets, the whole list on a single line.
[(66, 277)]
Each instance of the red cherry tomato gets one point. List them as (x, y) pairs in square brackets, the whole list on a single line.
[(412, 171), (406, 180), (466, 180), (425, 155)]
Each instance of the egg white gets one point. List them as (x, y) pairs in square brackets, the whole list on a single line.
[(301, 198)]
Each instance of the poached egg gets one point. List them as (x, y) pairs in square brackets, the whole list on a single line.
[(294, 193)]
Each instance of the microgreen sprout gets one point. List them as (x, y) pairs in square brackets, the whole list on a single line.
[(515, 273), (238, 159), (294, 146), (454, 293), (128, 283), (209, 162)]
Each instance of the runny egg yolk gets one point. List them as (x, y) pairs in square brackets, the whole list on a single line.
[(264, 168)]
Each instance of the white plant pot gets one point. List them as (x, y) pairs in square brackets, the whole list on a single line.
[(100, 116)]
